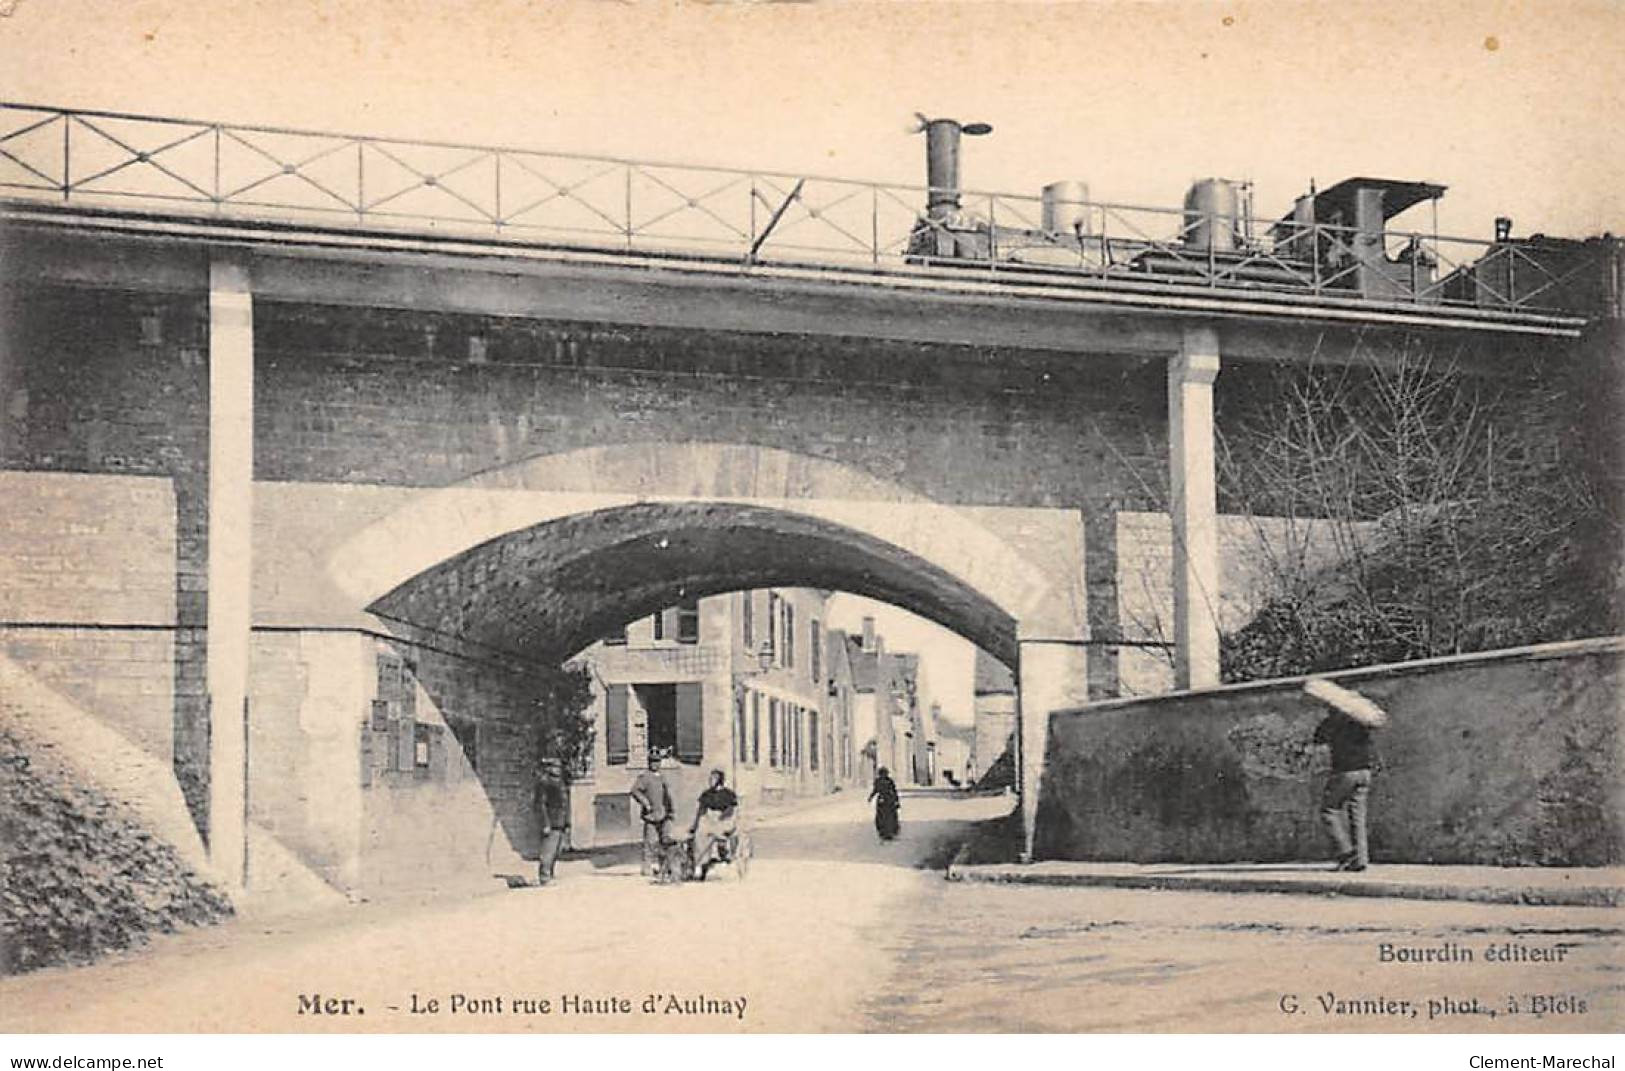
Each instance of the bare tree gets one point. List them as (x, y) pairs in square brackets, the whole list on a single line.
[(1413, 509)]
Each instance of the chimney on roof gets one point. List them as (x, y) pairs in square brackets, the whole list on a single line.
[(868, 634)]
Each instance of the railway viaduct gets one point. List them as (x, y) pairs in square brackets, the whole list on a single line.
[(253, 443)]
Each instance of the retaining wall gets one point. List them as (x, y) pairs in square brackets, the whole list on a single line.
[(1505, 758)]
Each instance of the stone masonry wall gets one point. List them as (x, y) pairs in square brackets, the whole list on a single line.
[(460, 805), (110, 383), (384, 763), (87, 595), (1530, 776), (113, 383)]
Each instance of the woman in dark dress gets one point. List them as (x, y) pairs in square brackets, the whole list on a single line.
[(886, 804)]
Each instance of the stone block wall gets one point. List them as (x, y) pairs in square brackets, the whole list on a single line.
[(108, 383), (385, 763), (308, 693), (114, 384), (124, 676), (341, 392), (1508, 758), (460, 804), (88, 595)]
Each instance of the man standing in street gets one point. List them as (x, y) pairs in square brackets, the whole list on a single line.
[(552, 808), (653, 799), (1347, 731)]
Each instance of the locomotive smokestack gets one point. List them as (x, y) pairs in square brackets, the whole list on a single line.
[(942, 162)]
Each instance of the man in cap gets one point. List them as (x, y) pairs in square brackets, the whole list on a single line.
[(653, 797)]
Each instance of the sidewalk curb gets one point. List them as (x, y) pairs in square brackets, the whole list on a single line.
[(1577, 896)]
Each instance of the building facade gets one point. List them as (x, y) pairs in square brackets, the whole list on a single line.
[(740, 683)]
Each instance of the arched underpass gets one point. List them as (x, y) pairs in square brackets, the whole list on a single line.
[(540, 594), (550, 590), (457, 595)]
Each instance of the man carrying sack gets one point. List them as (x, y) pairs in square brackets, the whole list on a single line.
[(1347, 731)]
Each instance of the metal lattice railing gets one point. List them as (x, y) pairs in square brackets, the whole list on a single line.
[(115, 161)]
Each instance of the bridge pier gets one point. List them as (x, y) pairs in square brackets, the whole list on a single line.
[(1053, 675), (230, 569), (1194, 507)]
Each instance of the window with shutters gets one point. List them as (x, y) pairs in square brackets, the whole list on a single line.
[(747, 614), (739, 725), (789, 636), (658, 622), (815, 642), (755, 728), (773, 716), (773, 644), (688, 621), (812, 739), (617, 731), (690, 723)]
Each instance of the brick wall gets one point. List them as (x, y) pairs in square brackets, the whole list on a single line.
[(124, 676), (389, 398)]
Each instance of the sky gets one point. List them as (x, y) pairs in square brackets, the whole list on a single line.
[(1515, 106), (950, 662)]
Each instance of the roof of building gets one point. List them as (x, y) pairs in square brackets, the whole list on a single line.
[(992, 676)]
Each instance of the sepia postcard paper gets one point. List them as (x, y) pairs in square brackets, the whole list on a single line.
[(811, 518)]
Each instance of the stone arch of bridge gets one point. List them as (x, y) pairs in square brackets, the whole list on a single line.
[(552, 551), (544, 556), (552, 588)]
